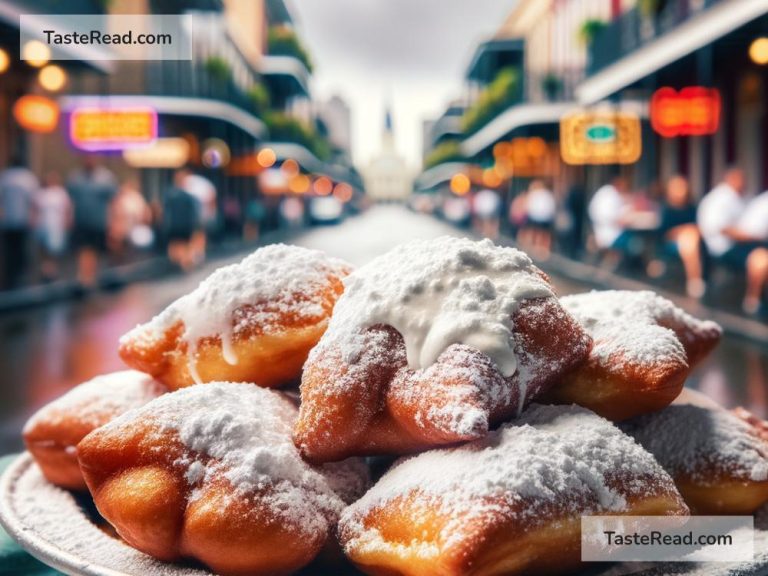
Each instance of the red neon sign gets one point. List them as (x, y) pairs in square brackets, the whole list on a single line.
[(693, 111)]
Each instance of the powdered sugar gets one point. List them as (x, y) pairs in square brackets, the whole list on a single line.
[(633, 326), (257, 293), (437, 293), (242, 433), (555, 459), (98, 400), (699, 441)]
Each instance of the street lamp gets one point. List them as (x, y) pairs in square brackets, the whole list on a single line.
[(758, 51), (52, 78), (36, 53)]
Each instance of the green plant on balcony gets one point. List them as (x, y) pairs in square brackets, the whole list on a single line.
[(446, 151), (589, 29), (283, 41), (503, 91), (285, 128), (552, 86), (258, 96), (218, 69)]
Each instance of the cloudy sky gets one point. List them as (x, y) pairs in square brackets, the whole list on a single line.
[(410, 53)]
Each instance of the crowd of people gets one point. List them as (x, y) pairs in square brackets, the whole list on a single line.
[(725, 229), (90, 218)]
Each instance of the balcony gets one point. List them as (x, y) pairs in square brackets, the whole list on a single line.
[(637, 27)]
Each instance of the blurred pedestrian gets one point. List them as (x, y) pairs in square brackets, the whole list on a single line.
[(18, 186), (486, 206), (754, 225), (680, 235), (204, 192), (255, 213), (129, 220), (574, 208), (92, 188), (54, 215), (541, 210), (610, 211), (181, 221), (292, 212)]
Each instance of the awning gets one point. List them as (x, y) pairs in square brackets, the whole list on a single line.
[(702, 29), (95, 56), (200, 107), (514, 117)]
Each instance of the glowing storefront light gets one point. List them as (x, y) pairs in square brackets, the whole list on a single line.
[(692, 111), (36, 53), (163, 153), (96, 129), (266, 157), (600, 138), (5, 61), (460, 184), (36, 113), (758, 51), (52, 78)]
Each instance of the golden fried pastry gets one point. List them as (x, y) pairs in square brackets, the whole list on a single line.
[(53, 432), (644, 348), (249, 322), (718, 461), (433, 343), (210, 473), (510, 503)]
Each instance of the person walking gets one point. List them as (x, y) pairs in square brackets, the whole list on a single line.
[(18, 186), (92, 188), (181, 220), (53, 216), (129, 215)]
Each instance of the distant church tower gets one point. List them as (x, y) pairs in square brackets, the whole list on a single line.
[(387, 178)]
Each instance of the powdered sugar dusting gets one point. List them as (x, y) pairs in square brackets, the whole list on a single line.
[(437, 293), (695, 440), (99, 400), (554, 459), (632, 326), (242, 433), (260, 291)]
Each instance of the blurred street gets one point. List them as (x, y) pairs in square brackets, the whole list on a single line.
[(49, 349)]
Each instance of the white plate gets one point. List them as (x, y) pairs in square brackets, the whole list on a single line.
[(55, 528)]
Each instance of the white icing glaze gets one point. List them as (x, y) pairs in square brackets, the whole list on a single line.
[(441, 292)]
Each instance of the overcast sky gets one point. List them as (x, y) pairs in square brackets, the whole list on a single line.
[(411, 53)]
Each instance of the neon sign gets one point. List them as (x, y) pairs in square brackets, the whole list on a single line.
[(693, 111), (600, 138), (96, 129)]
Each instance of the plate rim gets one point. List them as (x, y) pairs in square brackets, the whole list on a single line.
[(43, 550)]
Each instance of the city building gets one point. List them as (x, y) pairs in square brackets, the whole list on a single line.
[(387, 177), (336, 117)]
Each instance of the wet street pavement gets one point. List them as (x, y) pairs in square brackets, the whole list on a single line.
[(45, 351)]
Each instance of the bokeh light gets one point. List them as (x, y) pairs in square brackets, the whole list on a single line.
[(343, 192), (36, 53), (36, 113), (491, 178), (299, 183), (290, 167), (460, 184), (52, 78), (5, 61), (758, 51), (266, 157), (323, 186)]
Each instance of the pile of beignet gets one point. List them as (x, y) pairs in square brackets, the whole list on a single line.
[(455, 355)]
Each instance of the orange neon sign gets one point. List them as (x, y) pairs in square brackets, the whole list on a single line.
[(112, 128), (693, 111)]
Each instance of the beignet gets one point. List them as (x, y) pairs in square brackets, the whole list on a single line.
[(431, 344), (53, 432), (644, 348), (718, 461), (210, 473), (510, 503), (254, 321)]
